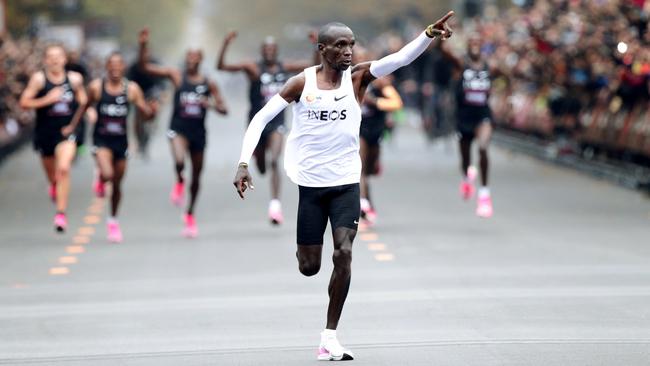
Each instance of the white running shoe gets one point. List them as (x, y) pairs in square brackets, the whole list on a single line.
[(331, 350)]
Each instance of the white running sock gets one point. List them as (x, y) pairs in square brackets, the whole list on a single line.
[(329, 333), (275, 205), (483, 192)]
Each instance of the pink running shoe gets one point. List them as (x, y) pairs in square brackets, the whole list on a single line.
[(60, 222), (466, 189), (177, 196), (99, 188), (191, 230), (275, 215), (331, 350), (52, 192), (114, 232), (484, 208), (369, 215)]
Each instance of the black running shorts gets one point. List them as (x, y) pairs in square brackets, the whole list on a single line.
[(339, 204), (196, 139), (119, 146), (469, 120), (46, 145)]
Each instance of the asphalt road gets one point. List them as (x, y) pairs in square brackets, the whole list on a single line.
[(559, 276)]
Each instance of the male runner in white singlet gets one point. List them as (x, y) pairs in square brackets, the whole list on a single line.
[(322, 154)]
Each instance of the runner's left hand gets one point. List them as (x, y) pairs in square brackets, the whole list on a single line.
[(67, 130), (221, 109), (243, 180)]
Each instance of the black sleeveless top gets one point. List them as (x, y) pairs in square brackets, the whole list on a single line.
[(52, 118), (474, 91), (189, 108), (112, 113), (263, 89)]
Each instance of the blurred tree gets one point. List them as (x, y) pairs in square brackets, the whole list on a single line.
[(168, 17), (21, 14)]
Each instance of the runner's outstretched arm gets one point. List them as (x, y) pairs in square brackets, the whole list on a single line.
[(77, 82), (136, 97), (28, 99), (248, 67), (289, 93), (149, 67), (219, 104), (298, 66), (446, 53), (388, 64)]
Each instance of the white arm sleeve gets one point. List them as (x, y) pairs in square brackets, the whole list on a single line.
[(274, 106), (401, 58)]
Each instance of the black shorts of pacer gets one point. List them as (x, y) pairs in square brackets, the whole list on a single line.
[(339, 204), (46, 145), (196, 140), (119, 147)]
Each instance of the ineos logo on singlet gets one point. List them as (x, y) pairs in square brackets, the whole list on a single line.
[(63, 106), (115, 110), (191, 98), (271, 84), (327, 115), (191, 101), (476, 86), (476, 80)]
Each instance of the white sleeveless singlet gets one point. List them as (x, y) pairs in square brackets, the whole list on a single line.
[(323, 146)]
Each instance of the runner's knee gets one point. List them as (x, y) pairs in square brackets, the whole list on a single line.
[(107, 176), (63, 170), (308, 268), (308, 265)]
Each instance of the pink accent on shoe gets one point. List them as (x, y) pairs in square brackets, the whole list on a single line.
[(52, 192), (466, 190), (177, 196), (190, 230), (99, 188), (114, 232), (60, 222), (484, 208), (276, 216)]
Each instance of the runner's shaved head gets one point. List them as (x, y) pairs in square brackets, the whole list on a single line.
[(330, 30)]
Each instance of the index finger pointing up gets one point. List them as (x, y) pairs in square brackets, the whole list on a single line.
[(446, 17)]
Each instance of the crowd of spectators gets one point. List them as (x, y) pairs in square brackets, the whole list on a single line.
[(573, 70), (18, 60), (575, 67)]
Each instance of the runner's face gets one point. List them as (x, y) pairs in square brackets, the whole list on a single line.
[(474, 48), (115, 67), (55, 59), (338, 51), (270, 52), (193, 60)]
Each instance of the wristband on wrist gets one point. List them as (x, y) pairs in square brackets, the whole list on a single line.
[(430, 31)]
